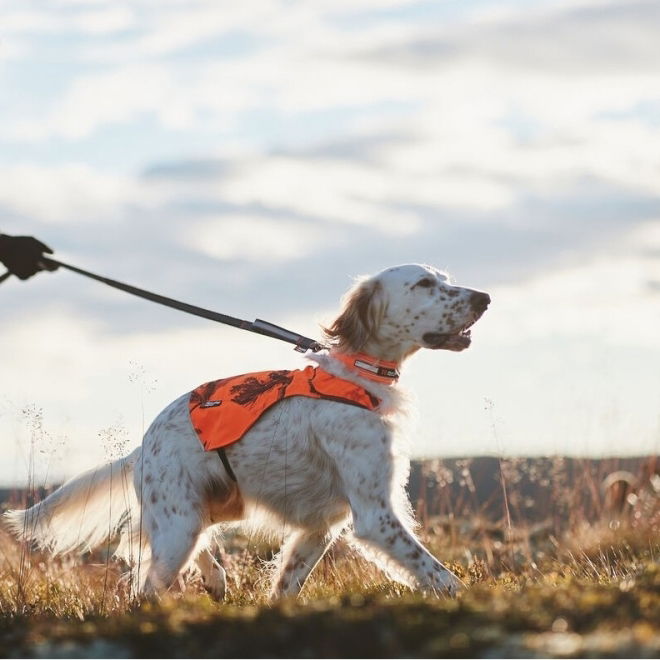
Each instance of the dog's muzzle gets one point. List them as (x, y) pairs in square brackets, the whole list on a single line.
[(460, 340)]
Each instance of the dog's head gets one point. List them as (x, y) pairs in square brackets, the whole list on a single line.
[(405, 308)]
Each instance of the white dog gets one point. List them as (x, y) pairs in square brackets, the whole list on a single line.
[(316, 467)]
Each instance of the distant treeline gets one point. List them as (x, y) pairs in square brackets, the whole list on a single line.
[(532, 490)]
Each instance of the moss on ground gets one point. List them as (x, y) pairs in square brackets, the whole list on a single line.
[(504, 617)]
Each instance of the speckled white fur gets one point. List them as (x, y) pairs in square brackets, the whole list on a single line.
[(308, 470)]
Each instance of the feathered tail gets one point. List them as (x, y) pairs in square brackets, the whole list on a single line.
[(85, 511)]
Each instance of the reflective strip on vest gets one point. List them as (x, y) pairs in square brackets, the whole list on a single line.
[(223, 411)]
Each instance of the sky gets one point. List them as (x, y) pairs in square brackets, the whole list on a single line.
[(255, 157)]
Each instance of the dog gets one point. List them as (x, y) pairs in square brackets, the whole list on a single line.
[(317, 468)]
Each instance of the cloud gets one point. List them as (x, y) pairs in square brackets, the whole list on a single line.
[(570, 341), (194, 169), (68, 194), (172, 30), (196, 229), (98, 99), (488, 104), (105, 21), (45, 19), (28, 21), (605, 299), (252, 158), (257, 239), (569, 38)]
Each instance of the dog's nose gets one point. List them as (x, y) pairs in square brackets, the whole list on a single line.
[(479, 301)]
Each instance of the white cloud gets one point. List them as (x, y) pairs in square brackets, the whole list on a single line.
[(70, 194), (172, 30), (341, 192), (463, 114), (329, 121), (606, 298), (45, 18), (99, 99), (105, 21), (26, 21), (256, 239), (645, 238), (459, 95)]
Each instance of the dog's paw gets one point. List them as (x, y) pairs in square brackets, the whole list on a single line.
[(215, 582), (452, 584), (444, 583)]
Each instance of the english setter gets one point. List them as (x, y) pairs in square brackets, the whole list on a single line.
[(319, 468)]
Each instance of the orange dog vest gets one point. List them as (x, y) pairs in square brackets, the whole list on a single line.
[(223, 411)]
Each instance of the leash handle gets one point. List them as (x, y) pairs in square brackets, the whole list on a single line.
[(302, 344)]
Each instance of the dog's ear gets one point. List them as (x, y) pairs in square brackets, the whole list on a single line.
[(364, 308)]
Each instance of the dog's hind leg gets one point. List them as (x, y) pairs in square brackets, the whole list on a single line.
[(298, 557), (170, 482), (173, 541)]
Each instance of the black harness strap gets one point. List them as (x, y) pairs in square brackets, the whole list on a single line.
[(225, 462)]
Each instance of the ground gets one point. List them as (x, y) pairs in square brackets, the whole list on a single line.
[(585, 583)]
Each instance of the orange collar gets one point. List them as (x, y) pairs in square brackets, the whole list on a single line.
[(380, 371)]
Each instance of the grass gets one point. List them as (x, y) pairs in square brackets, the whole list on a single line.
[(583, 584)]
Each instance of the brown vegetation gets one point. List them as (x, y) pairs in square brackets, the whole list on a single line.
[(561, 559)]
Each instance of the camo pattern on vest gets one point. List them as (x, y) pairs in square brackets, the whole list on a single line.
[(222, 411)]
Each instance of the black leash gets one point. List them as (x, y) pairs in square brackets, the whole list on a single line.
[(302, 344)]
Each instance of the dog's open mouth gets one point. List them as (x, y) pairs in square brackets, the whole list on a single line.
[(457, 341)]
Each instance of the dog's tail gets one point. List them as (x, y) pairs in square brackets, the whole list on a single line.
[(83, 512)]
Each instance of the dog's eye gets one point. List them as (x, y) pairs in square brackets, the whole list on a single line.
[(426, 282)]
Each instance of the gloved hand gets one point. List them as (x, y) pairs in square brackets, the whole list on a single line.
[(22, 255)]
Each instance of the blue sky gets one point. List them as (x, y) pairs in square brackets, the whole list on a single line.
[(254, 157)]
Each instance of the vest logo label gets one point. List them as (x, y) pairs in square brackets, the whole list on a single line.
[(210, 404)]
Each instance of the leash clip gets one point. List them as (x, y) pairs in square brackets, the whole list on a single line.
[(301, 344), (305, 344)]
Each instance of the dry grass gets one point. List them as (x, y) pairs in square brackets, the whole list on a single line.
[(584, 583)]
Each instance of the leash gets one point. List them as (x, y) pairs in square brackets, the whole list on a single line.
[(259, 326)]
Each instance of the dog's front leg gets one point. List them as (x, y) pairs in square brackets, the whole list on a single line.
[(383, 533), (300, 553), (366, 465)]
